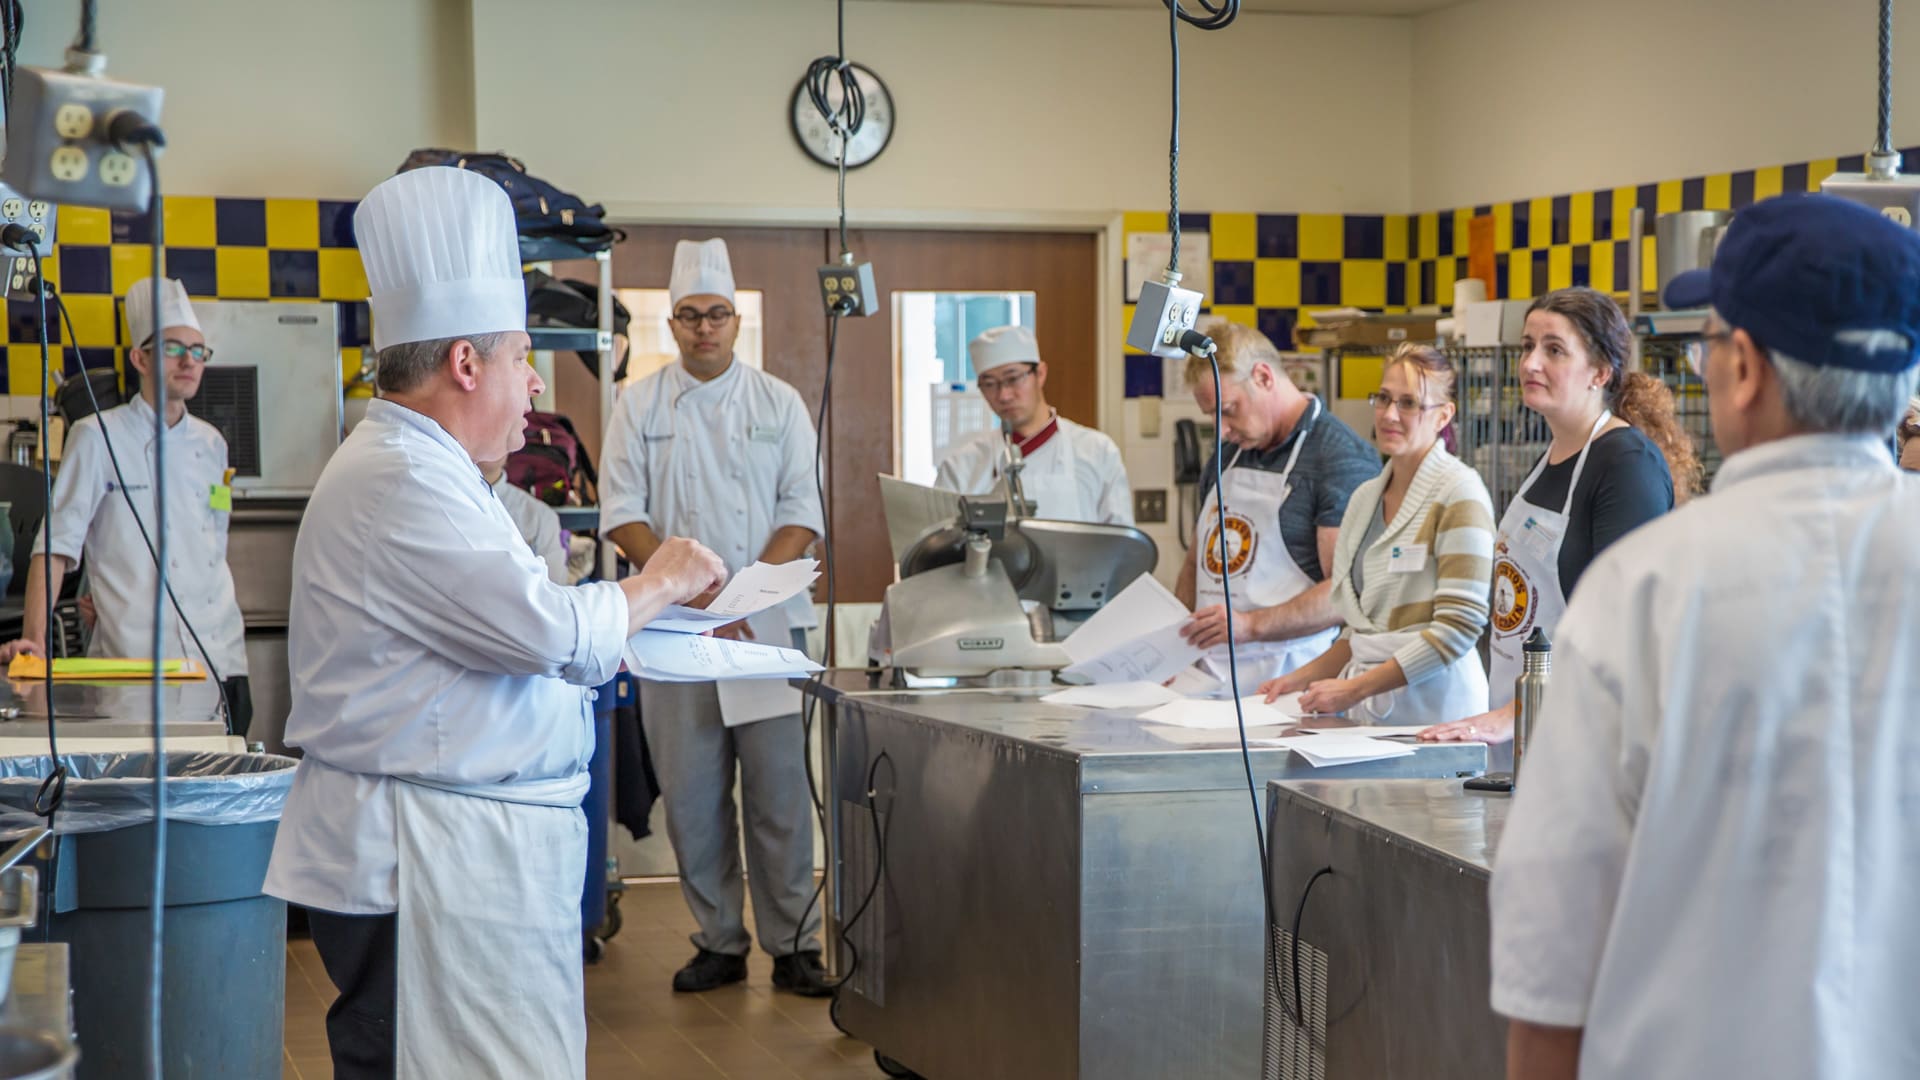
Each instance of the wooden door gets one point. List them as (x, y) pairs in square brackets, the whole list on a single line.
[(1061, 269)]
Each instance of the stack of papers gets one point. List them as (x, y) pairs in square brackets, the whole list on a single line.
[(1126, 695), (1134, 638), (1216, 715), (674, 648), (1343, 748)]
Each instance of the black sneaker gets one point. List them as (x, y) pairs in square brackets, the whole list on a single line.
[(709, 971), (801, 973)]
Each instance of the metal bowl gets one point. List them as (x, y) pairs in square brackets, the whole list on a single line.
[(35, 1055)]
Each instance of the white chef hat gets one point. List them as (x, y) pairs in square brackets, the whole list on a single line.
[(700, 268), (1001, 346), (442, 255), (175, 309)]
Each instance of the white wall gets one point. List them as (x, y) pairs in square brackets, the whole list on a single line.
[(686, 104), (1527, 98), (281, 97)]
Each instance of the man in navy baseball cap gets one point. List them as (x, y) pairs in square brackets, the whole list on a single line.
[(1725, 756)]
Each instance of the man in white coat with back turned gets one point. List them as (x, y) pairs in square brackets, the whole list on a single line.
[(1069, 472), (722, 452), (1711, 867), (440, 680)]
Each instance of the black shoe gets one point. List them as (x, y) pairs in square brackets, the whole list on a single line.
[(709, 971), (801, 973)]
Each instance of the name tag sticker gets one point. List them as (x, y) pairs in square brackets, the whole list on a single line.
[(763, 434), (1540, 539), (221, 498), (1407, 559)]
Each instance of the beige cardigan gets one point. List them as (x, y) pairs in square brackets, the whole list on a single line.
[(1448, 510)]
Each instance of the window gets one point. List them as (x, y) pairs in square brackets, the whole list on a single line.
[(938, 405)]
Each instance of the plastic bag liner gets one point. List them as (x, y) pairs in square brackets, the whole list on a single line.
[(115, 791)]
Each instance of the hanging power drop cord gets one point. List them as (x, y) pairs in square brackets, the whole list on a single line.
[(148, 140)]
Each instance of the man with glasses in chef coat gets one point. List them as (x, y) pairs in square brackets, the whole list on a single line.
[(716, 450)]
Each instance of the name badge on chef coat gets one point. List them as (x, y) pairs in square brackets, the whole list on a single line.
[(764, 433), (221, 497), (1538, 538), (1407, 559)]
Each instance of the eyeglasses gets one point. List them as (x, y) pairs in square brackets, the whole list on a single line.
[(175, 350), (692, 319), (991, 387), (1383, 401)]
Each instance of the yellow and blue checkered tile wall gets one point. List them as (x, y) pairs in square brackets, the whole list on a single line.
[(220, 248), (1273, 271)]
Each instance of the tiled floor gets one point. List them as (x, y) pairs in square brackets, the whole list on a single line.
[(637, 1027)]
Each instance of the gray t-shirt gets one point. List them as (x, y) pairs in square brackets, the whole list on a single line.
[(1333, 461)]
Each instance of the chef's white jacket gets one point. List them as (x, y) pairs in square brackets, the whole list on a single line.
[(727, 462), (1712, 863), (1078, 475), (426, 643), (90, 517), (539, 525)]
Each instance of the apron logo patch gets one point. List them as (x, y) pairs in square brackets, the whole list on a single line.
[(1512, 601), (1242, 541)]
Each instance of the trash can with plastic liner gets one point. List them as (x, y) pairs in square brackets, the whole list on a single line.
[(224, 983)]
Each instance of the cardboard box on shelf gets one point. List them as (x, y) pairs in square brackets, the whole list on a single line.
[(1496, 322), (1378, 330)]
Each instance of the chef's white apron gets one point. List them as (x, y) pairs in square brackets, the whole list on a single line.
[(1459, 690), (1259, 566), (489, 977), (1526, 573), (1052, 484)]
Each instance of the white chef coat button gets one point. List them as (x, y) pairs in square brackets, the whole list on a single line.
[(593, 695), (740, 511)]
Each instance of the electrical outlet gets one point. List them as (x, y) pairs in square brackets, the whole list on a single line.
[(1896, 197), (1164, 313), (57, 144), (1150, 506), (848, 289), (16, 270)]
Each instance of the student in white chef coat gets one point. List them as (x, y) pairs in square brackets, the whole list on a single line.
[(1292, 467), (440, 680), (91, 516), (1070, 472), (537, 522), (724, 453), (1711, 867)]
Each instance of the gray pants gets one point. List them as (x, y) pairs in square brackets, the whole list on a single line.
[(694, 755)]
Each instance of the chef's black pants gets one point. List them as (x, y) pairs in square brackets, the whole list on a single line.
[(358, 952)]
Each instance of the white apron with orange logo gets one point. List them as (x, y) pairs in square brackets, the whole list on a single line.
[(1259, 566)]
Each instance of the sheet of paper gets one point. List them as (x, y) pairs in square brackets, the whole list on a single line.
[(671, 657), (752, 590), (1196, 682), (1341, 748), (1216, 715), (1125, 695), (1134, 638), (1258, 738), (911, 509), (749, 701)]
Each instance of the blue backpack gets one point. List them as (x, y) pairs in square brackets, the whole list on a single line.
[(543, 211)]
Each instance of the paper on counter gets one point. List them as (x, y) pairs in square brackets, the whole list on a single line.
[(674, 657), (1257, 738), (1195, 682), (1216, 715), (751, 591), (1341, 748), (1134, 638), (1125, 695)]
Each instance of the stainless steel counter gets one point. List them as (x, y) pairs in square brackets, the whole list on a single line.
[(119, 711), (1394, 952), (42, 997), (1065, 895)]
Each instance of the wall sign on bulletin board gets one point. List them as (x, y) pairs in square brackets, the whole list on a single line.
[(1147, 260)]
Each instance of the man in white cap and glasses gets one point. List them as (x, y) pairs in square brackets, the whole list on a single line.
[(440, 680), (112, 526), (1069, 472), (722, 452), (1711, 866)]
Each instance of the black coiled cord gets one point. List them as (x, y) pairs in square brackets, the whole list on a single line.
[(1883, 141), (846, 120), (1213, 16)]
